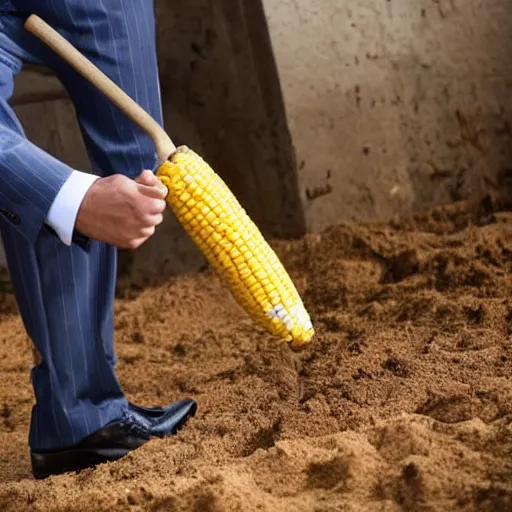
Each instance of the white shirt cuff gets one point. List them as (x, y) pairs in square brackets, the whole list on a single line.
[(64, 209)]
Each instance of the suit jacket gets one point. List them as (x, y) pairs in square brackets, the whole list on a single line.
[(30, 178)]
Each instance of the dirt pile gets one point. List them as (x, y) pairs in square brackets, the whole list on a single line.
[(402, 402)]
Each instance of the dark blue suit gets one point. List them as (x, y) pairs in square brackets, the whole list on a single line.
[(66, 294)]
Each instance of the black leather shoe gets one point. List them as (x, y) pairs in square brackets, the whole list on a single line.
[(153, 413), (148, 412), (114, 440), (172, 419), (109, 443)]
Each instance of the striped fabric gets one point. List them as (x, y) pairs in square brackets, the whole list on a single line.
[(65, 294)]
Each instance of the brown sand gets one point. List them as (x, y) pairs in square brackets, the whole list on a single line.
[(403, 401)]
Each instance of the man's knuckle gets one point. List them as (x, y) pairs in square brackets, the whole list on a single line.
[(132, 243), (148, 231), (138, 212), (147, 220)]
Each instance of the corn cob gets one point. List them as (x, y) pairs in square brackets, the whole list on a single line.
[(207, 210), (234, 246)]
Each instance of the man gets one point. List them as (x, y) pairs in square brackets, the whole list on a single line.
[(61, 229)]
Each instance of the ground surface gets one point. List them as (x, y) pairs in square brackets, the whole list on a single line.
[(402, 402)]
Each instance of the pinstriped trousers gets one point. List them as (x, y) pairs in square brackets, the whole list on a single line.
[(66, 294)]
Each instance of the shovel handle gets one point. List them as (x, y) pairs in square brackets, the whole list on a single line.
[(163, 144)]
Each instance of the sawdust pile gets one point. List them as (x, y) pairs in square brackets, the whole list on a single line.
[(403, 402)]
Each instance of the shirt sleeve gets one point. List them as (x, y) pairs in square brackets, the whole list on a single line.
[(62, 214)]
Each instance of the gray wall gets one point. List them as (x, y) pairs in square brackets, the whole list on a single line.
[(405, 104)]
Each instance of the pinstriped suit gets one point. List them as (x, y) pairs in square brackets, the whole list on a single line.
[(65, 294)]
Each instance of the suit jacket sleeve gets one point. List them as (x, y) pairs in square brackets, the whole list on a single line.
[(30, 178)]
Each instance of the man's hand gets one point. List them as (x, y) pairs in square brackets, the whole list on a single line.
[(121, 211)]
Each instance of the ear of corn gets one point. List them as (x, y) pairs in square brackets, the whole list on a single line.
[(234, 246)]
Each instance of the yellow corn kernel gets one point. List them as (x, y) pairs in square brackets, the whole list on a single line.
[(234, 246)]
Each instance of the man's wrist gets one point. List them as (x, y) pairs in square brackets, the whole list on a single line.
[(64, 209)]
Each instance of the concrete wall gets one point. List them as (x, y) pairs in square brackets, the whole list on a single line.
[(395, 105)]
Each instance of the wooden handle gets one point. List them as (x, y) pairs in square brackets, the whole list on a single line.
[(163, 144)]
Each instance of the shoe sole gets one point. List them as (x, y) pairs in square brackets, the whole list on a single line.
[(45, 465)]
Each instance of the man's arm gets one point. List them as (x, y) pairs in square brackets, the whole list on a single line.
[(113, 208), (38, 189)]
